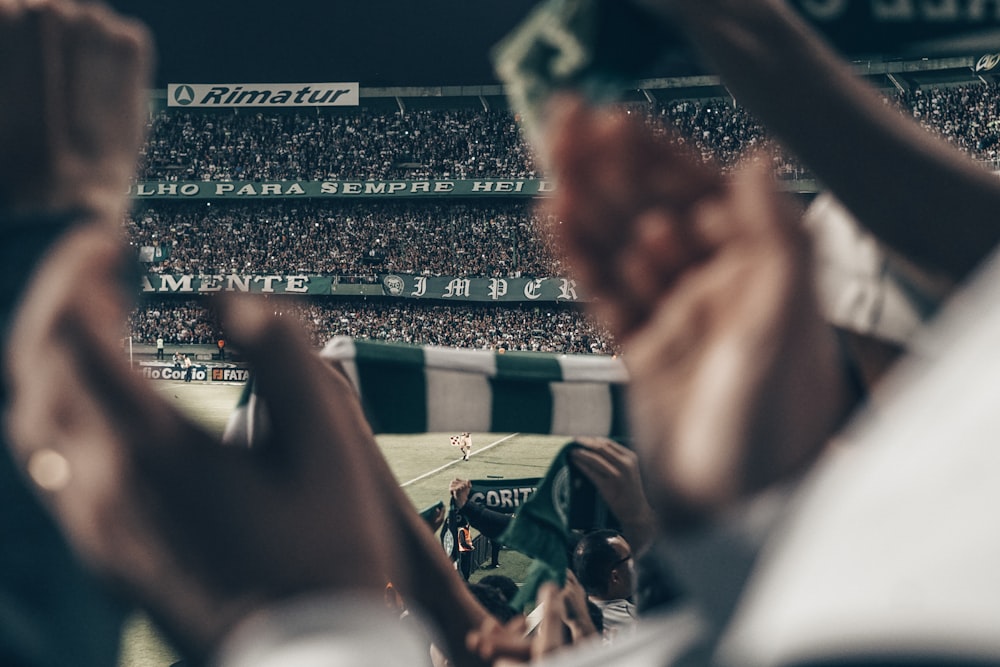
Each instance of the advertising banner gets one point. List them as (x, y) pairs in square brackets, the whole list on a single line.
[(480, 289), (165, 283), (263, 95), (171, 372), (448, 288), (199, 373), (495, 187)]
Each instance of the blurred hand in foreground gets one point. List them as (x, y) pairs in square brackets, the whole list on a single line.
[(735, 378), (565, 621), (74, 81), (200, 534), (614, 471)]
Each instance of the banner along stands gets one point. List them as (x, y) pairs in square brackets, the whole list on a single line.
[(488, 187), (268, 95)]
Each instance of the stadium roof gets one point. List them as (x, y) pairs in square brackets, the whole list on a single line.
[(394, 43), (375, 42)]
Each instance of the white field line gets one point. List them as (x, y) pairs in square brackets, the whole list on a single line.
[(457, 461)]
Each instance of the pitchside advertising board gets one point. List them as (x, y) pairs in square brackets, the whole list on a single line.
[(198, 373), (268, 95)]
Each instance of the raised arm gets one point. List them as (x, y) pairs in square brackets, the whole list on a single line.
[(735, 378), (919, 195), (73, 87)]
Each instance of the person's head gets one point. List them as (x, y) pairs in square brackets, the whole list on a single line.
[(493, 601), (602, 561), (505, 585)]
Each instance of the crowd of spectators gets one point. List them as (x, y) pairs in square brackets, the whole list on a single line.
[(967, 116), (365, 144), (360, 240), (347, 238), (360, 144), (176, 322), (524, 327), (720, 131)]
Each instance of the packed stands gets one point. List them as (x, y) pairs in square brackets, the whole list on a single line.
[(359, 240), (347, 238), (519, 327)]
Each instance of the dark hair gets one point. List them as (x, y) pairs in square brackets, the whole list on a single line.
[(593, 560), (505, 585), (493, 601)]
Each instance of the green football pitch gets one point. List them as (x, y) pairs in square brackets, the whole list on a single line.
[(423, 463)]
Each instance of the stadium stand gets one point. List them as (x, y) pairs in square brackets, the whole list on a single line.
[(357, 241), (527, 327), (351, 239)]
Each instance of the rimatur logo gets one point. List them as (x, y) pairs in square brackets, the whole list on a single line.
[(184, 95), (263, 94)]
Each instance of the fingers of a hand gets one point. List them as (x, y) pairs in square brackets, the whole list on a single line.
[(661, 249), (22, 120), (611, 166), (73, 78), (609, 449), (593, 465), (751, 209), (618, 312), (70, 314), (56, 290), (765, 211), (108, 66), (35, 333), (493, 641), (668, 343), (144, 421), (54, 21), (620, 209), (620, 155), (575, 599), (550, 634), (304, 396), (595, 164), (40, 410)]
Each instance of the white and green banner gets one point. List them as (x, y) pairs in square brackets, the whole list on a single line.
[(480, 289), (170, 283), (266, 95), (404, 286), (399, 189)]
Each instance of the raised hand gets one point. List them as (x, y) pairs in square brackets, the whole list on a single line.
[(735, 380), (200, 534), (614, 471), (459, 490), (74, 85)]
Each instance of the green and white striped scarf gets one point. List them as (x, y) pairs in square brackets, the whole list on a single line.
[(425, 389)]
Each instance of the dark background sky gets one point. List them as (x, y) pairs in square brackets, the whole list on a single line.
[(419, 42), (374, 42)]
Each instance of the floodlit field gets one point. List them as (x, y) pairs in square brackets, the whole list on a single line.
[(423, 464)]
